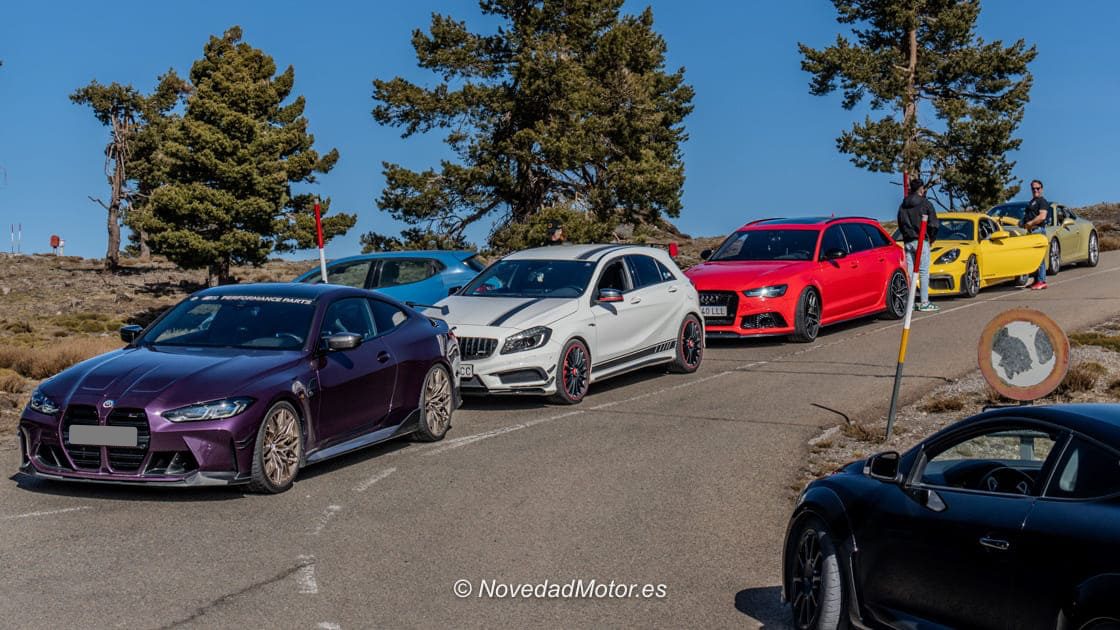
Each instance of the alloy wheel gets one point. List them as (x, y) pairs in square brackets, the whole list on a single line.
[(899, 294), (812, 314), (972, 277), (1055, 257), (808, 573), (574, 376), (1094, 250), (437, 402), (282, 445), (692, 338)]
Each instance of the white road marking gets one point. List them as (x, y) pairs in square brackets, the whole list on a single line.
[(478, 437), (365, 485), (328, 514), (305, 577), (328, 625), (44, 513)]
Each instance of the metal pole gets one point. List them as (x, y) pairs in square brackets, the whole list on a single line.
[(906, 326), (19, 240), (322, 254)]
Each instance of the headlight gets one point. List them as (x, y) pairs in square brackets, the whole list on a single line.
[(43, 404), (213, 410), (778, 290), (527, 340), (948, 257)]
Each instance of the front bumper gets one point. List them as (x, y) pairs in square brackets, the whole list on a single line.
[(747, 316), (529, 372)]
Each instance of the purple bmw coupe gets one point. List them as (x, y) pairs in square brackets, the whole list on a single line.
[(245, 384)]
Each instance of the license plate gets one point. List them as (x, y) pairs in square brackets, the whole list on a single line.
[(713, 311), (466, 370), (102, 436)]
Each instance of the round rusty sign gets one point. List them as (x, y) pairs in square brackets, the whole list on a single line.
[(1023, 354)]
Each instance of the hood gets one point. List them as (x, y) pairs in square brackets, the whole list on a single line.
[(743, 274), (465, 310), (913, 200), (173, 376)]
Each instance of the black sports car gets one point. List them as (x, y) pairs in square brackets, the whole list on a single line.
[(1008, 519)]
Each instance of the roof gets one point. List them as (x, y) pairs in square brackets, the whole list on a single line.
[(579, 252), (1100, 421), (413, 253), (281, 289), (803, 222), (964, 216)]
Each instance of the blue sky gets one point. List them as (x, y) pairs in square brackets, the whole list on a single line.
[(760, 144)]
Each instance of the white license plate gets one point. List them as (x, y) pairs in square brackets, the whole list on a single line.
[(466, 370), (713, 311), (89, 435)]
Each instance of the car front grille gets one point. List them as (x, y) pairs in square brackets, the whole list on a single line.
[(764, 320), (474, 348), (720, 298), (129, 459), (82, 455)]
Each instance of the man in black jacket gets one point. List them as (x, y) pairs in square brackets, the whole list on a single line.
[(910, 214), (1034, 219)]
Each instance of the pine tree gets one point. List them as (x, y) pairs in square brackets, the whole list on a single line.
[(567, 104), (910, 52), (226, 195)]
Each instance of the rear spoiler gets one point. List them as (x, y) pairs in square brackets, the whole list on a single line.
[(671, 247)]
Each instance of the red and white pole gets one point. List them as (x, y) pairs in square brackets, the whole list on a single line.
[(322, 253)]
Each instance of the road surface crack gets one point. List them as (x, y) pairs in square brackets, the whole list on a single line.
[(229, 597)]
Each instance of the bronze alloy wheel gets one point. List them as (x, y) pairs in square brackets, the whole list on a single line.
[(437, 402), (282, 446)]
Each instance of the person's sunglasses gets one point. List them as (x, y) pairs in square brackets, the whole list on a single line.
[(1036, 188)]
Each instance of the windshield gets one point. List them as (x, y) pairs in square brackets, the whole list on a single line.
[(533, 278), (1014, 211), (235, 321), (956, 230), (768, 245)]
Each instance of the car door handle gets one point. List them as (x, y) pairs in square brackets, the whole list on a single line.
[(636, 300), (382, 356), (672, 289), (995, 543)]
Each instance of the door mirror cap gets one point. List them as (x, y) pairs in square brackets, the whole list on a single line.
[(1068, 221), (706, 254), (884, 467), (834, 254), (1000, 235), (610, 295), (130, 333), (343, 341)]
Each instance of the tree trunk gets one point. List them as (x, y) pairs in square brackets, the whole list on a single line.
[(113, 254), (218, 273), (145, 251), (910, 162)]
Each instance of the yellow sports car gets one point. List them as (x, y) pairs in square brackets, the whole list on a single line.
[(972, 251)]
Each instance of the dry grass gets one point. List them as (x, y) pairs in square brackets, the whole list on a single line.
[(40, 363), (10, 382), (1110, 342), (87, 322), (990, 396), (1114, 388), (1081, 377), (863, 433), (1108, 242), (943, 404)]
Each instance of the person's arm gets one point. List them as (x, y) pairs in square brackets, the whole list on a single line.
[(905, 227), (1043, 210), (932, 224)]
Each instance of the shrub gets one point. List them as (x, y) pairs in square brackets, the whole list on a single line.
[(939, 405), (1108, 242), (86, 322), (11, 382), (1114, 388), (1081, 377), (1110, 342), (39, 363)]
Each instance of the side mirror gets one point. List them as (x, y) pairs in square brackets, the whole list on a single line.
[(1067, 222), (999, 235), (706, 254), (453, 290), (343, 341), (130, 333), (883, 466), (610, 295), (834, 254)]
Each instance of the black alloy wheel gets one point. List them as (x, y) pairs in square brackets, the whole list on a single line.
[(807, 318), (690, 346), (816, 593), (573, 374), (898, 292)]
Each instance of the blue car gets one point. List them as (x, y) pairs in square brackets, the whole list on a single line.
[(412, 277)]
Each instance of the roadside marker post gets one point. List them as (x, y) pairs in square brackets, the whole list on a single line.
[(906, 326), (319, 231)]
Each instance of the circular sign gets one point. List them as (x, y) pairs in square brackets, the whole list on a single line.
[(1023, 354)]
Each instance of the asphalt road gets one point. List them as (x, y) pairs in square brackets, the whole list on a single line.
[(680, 481)]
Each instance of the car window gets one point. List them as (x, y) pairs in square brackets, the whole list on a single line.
[(833, 239), (240, 321), (386, 317), (1086, 471), (987, 228), (666, 274), (858, 240), (758, 244), (396, 272), (351, 274), (645, 271), (1061, 213), (878, 239), (348, 315), (1001, 460), (614, 276)]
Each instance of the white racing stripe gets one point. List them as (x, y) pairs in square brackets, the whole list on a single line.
[(44, 513), (365, 485)]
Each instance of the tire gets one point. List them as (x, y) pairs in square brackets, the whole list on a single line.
[(278, 452), (1054, 258), (807, 317), (898, 293), (436, 405), (1102, 624), (817, 595), (573, 373), (1094, 250), (690, 346), (970, 279)]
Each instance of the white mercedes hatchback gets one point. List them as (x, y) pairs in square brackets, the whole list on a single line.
[(553, 320)]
